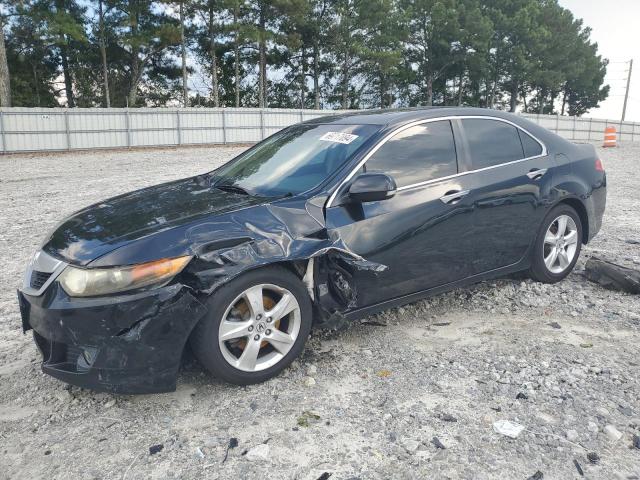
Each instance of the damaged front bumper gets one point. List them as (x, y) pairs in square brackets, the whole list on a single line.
[(133, 342), (122, 344)]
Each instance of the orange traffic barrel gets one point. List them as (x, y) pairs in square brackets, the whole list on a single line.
[(609, 137)]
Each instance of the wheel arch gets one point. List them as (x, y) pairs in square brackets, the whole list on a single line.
[(581, 210), (297, 267)]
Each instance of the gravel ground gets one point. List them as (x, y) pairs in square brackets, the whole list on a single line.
[(409, 393)]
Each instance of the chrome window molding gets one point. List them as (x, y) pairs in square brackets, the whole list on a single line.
[(459, 174), (42, 262)]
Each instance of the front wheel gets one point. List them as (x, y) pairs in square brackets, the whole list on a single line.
[(257, 325), (557, 246)]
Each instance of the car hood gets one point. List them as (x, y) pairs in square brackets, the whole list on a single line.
[(100, 228)]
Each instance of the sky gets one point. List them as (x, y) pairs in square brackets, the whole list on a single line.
[(615, 28)]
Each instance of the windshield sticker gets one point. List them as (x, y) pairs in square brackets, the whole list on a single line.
[(338, 137)]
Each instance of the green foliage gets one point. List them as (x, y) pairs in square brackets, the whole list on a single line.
[(33, 64), (511, 54)]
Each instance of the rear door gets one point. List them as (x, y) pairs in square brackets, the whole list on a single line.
[(510, 178), (420, 234)]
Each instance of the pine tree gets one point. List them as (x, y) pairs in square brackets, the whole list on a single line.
[(507, 54), (5, 79)]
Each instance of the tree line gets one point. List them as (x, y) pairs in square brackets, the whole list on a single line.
[(531, 55)]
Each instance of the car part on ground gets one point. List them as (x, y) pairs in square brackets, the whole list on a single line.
[(613, 276)]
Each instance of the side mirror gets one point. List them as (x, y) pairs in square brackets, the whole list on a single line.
[(372, 187)]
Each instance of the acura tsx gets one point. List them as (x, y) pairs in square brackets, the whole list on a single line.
[(321, 223)]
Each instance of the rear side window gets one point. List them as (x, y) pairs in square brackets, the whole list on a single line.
[(531, 147), (417, 154), (492, 142)]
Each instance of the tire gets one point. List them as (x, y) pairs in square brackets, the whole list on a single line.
[(545, 244), (248, 329)]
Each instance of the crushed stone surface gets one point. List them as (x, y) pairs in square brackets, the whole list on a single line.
[(412, 392)]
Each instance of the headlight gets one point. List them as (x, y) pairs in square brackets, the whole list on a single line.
[(89, 282)]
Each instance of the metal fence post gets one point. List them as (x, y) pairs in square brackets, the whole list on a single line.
[(620, 135), (224, 127), (4, 138), (302, 115), (575, 122), (66, 127), (590, 125), (557, 123), (262, 124), (128, 122), (178, 126)]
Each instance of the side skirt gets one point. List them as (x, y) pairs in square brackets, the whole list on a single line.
[(413, 297)]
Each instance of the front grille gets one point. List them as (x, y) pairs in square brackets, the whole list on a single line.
[(38, 279)]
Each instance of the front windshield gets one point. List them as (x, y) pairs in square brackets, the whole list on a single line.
[(293, 160)]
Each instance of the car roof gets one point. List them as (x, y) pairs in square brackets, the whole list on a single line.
[(394, 117)]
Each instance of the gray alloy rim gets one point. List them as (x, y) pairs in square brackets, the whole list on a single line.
[(259, 327), (560, 244)]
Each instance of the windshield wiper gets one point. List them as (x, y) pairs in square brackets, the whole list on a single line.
[(227, 187)]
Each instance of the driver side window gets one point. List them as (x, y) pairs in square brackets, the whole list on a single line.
[(419, 153)]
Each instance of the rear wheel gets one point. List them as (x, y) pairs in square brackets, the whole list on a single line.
[(557, 246), (257, 325)]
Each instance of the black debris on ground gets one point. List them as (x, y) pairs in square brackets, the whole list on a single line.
[(153, 449), (593, 458), (447, 417), (437, 443), (578, 467), (536, 476), (233, 443), (613, 276), (626, 411)]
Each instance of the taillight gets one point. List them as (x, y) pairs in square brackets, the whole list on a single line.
[(599, 165)]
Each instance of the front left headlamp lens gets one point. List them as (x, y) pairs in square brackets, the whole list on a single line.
[(90, 282)]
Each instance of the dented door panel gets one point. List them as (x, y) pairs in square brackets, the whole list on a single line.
[(422, 240)]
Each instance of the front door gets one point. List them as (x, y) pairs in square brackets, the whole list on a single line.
[(420, 234)]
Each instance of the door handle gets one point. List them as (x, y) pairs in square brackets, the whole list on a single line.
[(536, 174), (453, 196)]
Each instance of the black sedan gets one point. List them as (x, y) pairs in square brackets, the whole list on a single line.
[(323, 222)]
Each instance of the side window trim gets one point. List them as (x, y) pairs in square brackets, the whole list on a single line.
[(454, 119)]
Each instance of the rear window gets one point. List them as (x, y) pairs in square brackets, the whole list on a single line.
[(417, 154), (492, 142), (531, 146)]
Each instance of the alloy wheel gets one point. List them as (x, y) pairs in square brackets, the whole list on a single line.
[(259, 327), (560, 244)]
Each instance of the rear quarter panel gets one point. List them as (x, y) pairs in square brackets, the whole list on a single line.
[(576, 177)]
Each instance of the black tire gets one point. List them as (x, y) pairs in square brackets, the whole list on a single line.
[(538, 270), (204, 338)]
